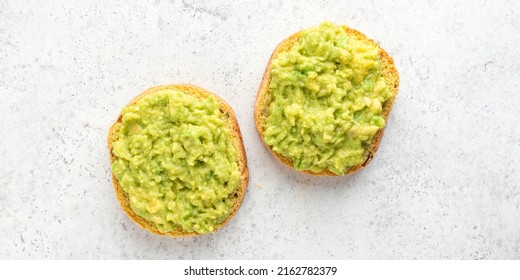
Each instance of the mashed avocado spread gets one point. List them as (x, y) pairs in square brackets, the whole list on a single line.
[(327, 100), (176, 160)]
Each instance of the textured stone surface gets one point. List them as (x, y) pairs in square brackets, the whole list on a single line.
[(444, 184)]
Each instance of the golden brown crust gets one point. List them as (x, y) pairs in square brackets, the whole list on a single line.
[(122, 196), (263, 100)]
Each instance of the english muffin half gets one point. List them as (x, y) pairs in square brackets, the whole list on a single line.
[(178, 163), (324, 100)]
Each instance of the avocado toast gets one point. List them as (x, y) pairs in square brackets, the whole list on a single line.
[(324, 100), (178, 163)]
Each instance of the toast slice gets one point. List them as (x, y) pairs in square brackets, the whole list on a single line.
[(238, 196), (264, 99)]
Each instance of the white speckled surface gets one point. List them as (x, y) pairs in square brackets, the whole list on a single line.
[(444, 184)]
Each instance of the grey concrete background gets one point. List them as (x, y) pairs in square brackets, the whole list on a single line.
[(444, 184)]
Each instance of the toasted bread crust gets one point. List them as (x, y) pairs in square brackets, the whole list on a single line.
[(264, 99), (122, 196)]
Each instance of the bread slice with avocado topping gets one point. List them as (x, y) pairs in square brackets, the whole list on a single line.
[(324, 100), (178, 163)]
